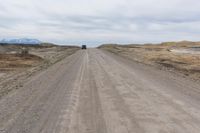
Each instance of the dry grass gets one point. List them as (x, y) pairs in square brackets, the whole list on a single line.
[(45, 54), (160, 55), (15, 61)]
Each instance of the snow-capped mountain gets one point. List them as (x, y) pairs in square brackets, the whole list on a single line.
[(20, 41)]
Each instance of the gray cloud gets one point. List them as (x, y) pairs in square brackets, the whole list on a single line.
[(101, 21)]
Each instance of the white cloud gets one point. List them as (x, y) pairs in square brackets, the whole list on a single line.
[(101, 21)]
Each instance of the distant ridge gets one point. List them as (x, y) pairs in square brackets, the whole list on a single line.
[(21, 41)]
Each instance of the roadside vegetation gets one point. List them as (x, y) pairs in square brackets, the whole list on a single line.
[(183, 57)]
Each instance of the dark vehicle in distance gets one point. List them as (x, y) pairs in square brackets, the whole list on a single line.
[(84, 47)]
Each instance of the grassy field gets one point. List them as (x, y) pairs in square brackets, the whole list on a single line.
[(161, 55)]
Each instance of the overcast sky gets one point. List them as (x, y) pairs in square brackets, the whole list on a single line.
[(101, 21)]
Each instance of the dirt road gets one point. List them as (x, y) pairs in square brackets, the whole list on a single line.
[(93, 91)]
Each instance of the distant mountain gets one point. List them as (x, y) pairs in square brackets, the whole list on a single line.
[(21, 41)]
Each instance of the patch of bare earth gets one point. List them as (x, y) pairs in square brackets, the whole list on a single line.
[(163, 56)]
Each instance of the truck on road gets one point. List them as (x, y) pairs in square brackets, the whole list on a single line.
[(84, 47)]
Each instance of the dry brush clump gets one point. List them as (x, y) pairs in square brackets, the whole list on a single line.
[(24, 52)]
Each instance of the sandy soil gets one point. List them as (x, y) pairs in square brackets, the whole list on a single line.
[(94, 91)]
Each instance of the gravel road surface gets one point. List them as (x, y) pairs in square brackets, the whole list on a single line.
[(94, 91)]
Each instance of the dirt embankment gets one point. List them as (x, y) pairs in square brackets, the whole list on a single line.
[(163, 56), (19, 62)]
